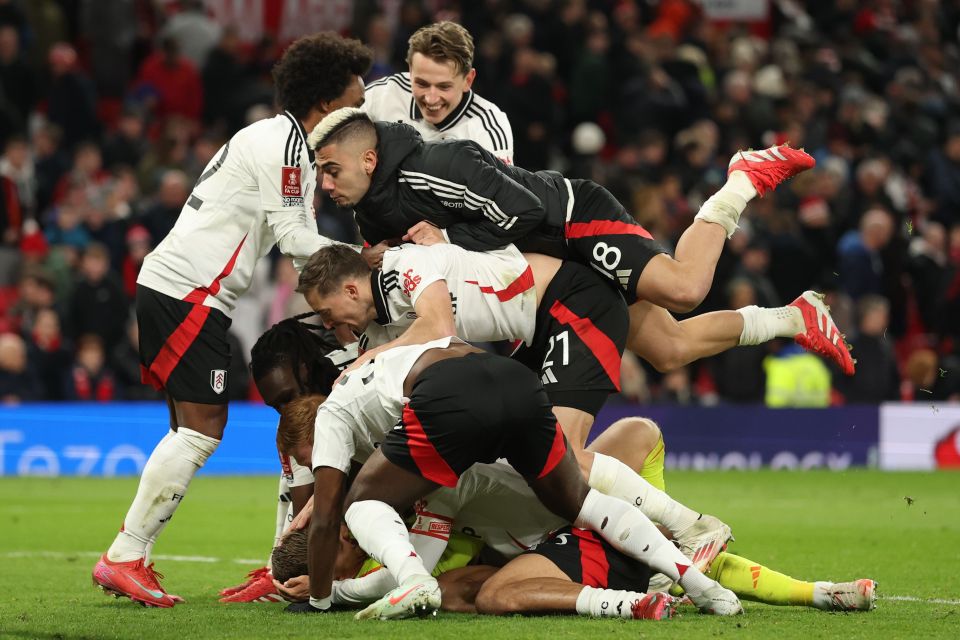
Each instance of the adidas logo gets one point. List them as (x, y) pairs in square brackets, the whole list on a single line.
[(755, 573), (548, 377), (623, 275)]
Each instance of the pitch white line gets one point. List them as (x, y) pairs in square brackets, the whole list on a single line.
[(97, 554), (256, 561), (915, 599)]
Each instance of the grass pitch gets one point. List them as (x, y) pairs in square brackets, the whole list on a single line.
[(900, 529)]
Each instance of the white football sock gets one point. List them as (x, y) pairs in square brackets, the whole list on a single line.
[(284, 513), (607, 603), (762, 324), (725, 206), (379, 530), (163, 484), (632, 533), (149, 549), (610, 476)]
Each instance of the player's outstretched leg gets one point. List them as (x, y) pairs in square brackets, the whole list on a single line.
[(380, 531)]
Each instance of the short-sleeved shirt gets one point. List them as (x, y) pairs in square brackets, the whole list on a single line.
[(364, 406), (493, 293), (224, 227), (391, 99)]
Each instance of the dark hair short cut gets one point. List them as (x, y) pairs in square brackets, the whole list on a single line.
[(289, 560), (316, 69), (329, 267), (443, 41)]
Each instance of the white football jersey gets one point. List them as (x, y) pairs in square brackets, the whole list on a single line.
[(364, 406), (475, 118), (496, 287), (494, 503), (257, 191)]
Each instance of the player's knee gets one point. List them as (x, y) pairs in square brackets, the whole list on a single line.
[(643, 433), (496, 600)]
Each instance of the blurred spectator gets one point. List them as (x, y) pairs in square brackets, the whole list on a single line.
[(127, 144), (929, 270), (110, 31), (138, 246), (877, 379), (86, 174), (739, 373), (860, 265), (230, 85), (11, 214), (160, 217), (72, 100), (17, 83), (796, 378), (49, 355), (98, 305), (194, 31), (50, 164), (18, 382), (17, 166), (172, 81), (124, 361), (926, 380), (90, 379), (35, 293), (943, 176)]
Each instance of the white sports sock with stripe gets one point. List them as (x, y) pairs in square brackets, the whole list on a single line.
[(632, 533), (725, 206), (380, 531), (607, 603), (163, 484)]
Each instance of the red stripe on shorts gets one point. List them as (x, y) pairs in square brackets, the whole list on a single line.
[(556, 452), (175, 346), (594, 566), (600, 345), (424, 454), (605, 228)]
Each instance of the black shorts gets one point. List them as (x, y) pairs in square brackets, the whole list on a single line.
[(581, 333), (601, 234), (588, 559), (183, 347), (476, 408)]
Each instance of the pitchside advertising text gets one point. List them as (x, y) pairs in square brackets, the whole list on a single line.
[(116, 439)]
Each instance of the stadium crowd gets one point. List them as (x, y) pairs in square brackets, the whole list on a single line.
[(110, 110)]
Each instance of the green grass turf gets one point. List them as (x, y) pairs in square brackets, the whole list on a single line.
[(815, 525)]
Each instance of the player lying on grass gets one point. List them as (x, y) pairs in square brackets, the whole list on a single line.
[(570, 571), (419, 417), (572, 329), (402, 187)]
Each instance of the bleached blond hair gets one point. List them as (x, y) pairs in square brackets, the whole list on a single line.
[(333, 123)]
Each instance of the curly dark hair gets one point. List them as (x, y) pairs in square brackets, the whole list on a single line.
[(316, 69), (291, 342)]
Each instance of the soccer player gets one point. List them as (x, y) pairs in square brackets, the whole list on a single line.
[(400, 186), (453, 405), (255, 193), (572, 325), (436, 98), (568, 571), (289, 360)]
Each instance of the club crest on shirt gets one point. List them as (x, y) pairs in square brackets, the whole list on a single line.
[(410, 282), (218, 380), (290, 182)]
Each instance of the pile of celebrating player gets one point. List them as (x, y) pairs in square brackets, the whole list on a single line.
[(426, 473)]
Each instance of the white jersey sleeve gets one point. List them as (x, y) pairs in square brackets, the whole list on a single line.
[(333, 442), (475, 118)]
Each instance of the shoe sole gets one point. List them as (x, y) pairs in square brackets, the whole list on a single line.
[(111, 591)]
